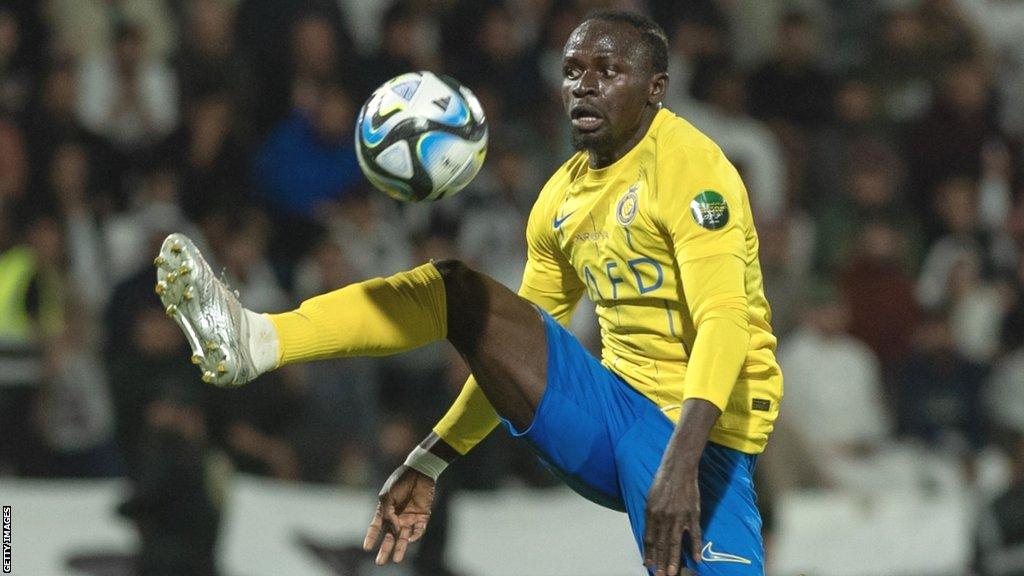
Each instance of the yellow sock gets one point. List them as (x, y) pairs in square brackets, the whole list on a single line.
[(373, 318)]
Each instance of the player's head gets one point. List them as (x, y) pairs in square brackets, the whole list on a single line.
[(613, 80)]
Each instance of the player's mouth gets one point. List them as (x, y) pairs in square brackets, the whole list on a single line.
[(586, 118)]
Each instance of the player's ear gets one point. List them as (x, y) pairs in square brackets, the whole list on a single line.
[(658, 88)]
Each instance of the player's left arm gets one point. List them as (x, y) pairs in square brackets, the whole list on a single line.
[(707, 229), (719, 310)]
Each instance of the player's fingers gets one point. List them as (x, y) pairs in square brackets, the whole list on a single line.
[(649, 542), (675, 549), (373, 531), (695, 536), (386, 547), (659, 548), (402, 544), (418, 530)]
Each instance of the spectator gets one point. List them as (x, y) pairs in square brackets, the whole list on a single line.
[(85, 27), (51, 121), (700, 46), (835, 401), (938, 391), (309, 159), (838, 148), (998, 538), (784, 275), (498, 54), (69, 180), (213, 155), (962, 240), (75, 412), (879, 289), (490, 233), (33, 304), (999, 24), (14, 167), (155, 207), (962, 107), (239, 240), (14, 71), (407, 42), (793, 87), (363, 226), (902, 65), (337, 438), (872, 191), (126, 97), (293, 46), (206, 60)]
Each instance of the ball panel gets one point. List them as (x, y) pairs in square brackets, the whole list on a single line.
[(396, 159), (438, 102)]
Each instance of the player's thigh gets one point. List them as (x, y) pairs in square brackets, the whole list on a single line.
[(730, 520), (579, 419), (501, 337)]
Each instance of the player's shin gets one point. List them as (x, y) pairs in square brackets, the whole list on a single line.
[(377, 317)]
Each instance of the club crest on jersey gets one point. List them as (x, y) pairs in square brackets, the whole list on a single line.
[(625, 210), (709, 210)]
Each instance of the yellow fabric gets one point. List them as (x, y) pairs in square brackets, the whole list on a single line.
[(469, 420), (677, 285), (373, 318), (17, 267)]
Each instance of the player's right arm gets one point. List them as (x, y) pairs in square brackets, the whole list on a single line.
[(405, 501)]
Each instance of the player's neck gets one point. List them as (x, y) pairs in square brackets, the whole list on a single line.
[(603, 158)]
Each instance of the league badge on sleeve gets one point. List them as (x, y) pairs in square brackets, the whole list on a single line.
[(710, 210)]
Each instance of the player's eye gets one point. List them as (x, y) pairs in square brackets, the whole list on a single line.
[(609, 72), (571, 72)]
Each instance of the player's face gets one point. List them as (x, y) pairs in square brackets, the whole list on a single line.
[(606, 89)]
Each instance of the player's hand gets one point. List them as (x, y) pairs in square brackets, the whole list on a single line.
[(673, 509), (403, 511)]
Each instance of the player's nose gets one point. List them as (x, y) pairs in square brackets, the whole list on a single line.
[(586, 84)]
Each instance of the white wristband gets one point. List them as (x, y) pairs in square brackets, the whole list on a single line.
[(426, 462)]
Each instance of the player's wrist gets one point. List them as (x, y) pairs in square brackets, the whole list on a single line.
[(432, 456), (426, 462)]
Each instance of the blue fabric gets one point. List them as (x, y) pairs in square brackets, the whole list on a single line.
[(606, 441), (297, 170)]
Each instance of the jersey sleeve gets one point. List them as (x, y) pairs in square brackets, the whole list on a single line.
[(702, 204), (704, 209), (550, 282), (716, 296)]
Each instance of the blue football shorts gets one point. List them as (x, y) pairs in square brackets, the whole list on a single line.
[(606, 440)]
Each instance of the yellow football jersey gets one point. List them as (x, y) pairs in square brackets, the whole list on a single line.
[(619, 234)]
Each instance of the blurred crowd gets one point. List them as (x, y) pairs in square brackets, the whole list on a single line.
[(880, 140)]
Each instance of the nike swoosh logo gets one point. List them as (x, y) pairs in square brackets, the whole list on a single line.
[(559, 221), (709, 555)]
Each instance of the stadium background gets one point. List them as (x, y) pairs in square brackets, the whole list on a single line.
[(881, 144)]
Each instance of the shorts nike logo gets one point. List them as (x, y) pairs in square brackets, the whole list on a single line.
[(559, 221), (709, 555)]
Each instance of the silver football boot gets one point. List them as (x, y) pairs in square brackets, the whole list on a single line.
[(207, 311)]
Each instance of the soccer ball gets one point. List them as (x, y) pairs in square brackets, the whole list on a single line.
[(421, 137)]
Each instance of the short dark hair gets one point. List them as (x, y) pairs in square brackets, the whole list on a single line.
[(653, 37)]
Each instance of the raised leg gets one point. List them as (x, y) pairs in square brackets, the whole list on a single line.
[(501, 337)]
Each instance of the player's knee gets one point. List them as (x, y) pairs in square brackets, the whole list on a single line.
[(466, 296), (459, 279), (451, 269)]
